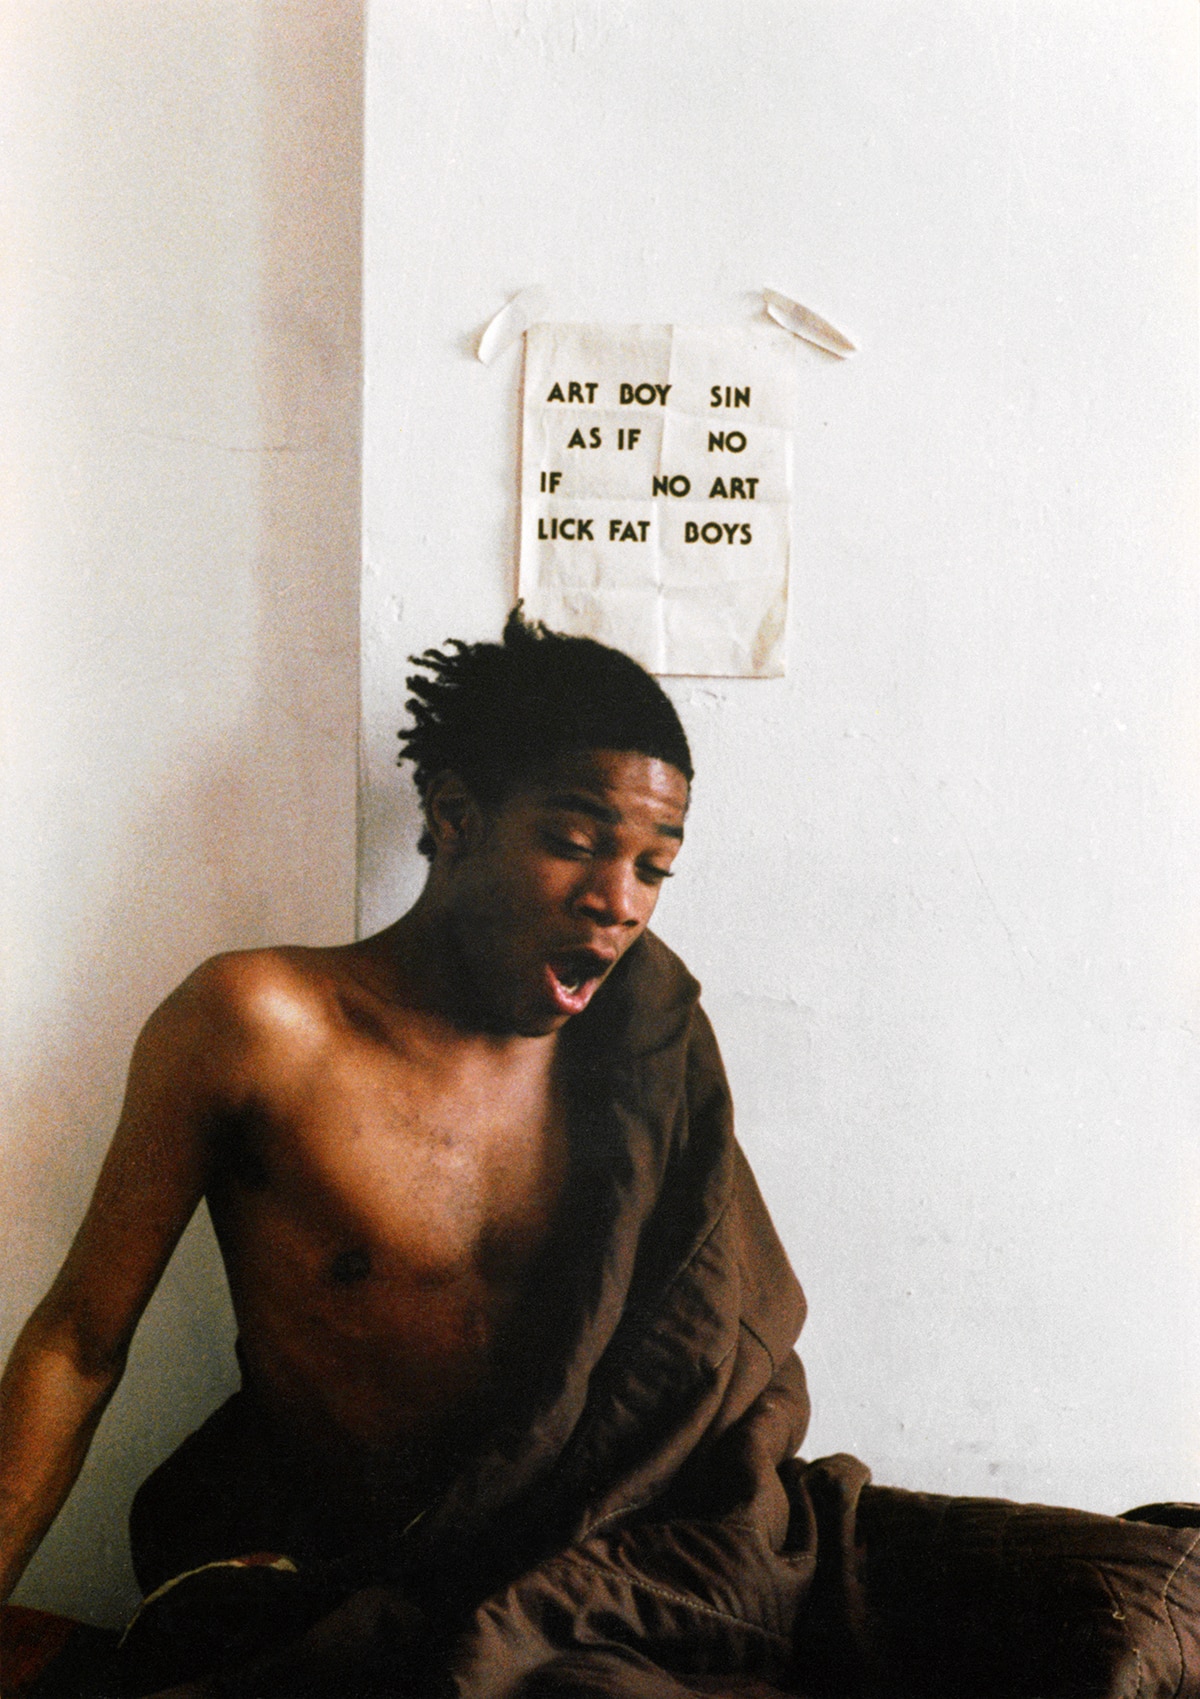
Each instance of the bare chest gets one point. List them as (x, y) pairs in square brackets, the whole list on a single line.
[(379, 1232)]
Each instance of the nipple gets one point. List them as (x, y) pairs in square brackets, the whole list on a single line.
[(350, 1268)]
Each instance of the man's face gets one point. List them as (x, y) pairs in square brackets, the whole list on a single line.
[(561, 881)]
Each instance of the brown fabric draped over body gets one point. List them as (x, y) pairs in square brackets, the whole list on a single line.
[(634, 1521)]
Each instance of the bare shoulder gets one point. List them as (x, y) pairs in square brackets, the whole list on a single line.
[(237, 1011), (255, 989), (243, 1027)]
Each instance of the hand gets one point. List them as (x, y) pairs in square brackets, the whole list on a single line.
[(375, 1632)]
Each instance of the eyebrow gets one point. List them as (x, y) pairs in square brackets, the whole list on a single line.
[(575, 803)]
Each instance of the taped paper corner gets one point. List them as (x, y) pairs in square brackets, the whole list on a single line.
[(511, 322)]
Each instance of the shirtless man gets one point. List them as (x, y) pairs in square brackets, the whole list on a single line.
[(378, 1128), (520, 1400)]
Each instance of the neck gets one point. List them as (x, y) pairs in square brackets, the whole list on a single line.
[(416, 963)]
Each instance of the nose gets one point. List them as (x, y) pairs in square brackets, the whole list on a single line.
[(613, 895)]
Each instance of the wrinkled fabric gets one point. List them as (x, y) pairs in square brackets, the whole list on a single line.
[(635, 1521)]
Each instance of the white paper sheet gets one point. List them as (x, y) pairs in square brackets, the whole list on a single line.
[(656, 491)]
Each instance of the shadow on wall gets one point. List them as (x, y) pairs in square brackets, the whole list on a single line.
[(191, 523)]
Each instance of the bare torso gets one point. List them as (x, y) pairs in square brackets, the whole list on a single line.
[(380, 1131), (380, 1187)]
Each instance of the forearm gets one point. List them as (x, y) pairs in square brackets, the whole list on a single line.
[(50, 1404)]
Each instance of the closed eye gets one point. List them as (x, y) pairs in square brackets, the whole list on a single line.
[(568, 847)]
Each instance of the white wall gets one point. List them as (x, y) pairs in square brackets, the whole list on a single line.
[(180, 449), (941, 882)]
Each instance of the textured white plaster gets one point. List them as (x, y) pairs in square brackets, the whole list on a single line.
[(179, 622), (941, 882)]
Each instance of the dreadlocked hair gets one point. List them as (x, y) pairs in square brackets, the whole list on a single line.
[(496, 713)]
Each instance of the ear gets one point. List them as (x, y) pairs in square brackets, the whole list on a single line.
[(453, 817)]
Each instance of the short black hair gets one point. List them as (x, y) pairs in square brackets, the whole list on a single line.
[(497, 713)]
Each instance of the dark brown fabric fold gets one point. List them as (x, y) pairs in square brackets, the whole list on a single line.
[(635, 1521)]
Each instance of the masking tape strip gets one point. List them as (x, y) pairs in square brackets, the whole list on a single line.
[(806, 324), (511, 322)]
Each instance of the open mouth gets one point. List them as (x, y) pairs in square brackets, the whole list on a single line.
[(577, 973)]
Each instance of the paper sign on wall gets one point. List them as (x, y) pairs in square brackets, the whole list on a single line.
[(656, 491)]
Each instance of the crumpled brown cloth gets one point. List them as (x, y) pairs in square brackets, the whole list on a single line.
[(636, 1522)]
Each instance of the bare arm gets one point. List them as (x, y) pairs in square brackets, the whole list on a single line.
[(71, 1354)]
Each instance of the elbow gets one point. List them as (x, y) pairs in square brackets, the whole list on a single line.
[(92, 1353), (99, 1363)]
